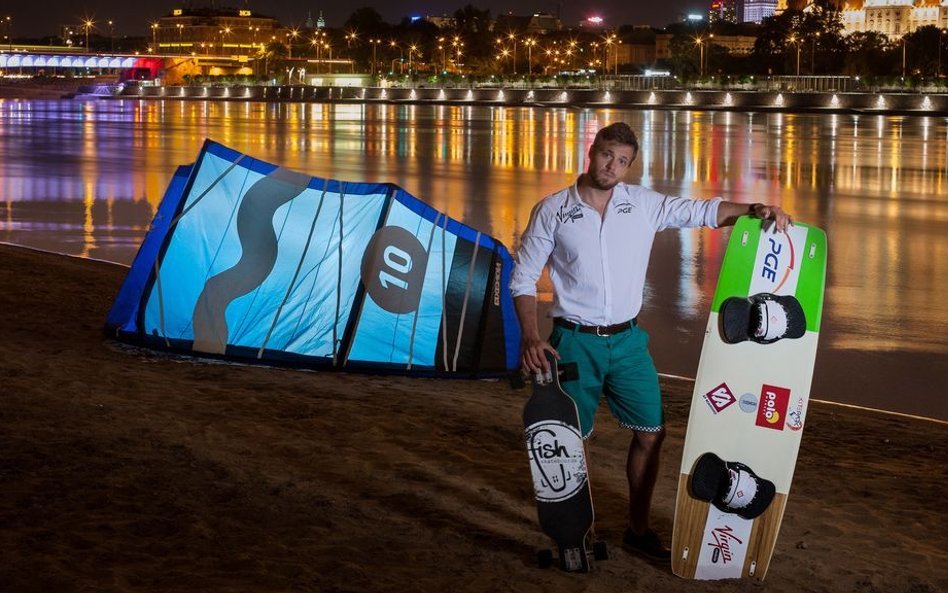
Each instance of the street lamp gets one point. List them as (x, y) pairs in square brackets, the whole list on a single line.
[(513, 39), (903, 57), (813, 40), (794, 40), (530, 42), (375, 43), (9, 22), (401, 57), (458, 44), (411, 49), (504, 54), (154, 36), (941, 32), (350, 37), (111, 36), (444, 60), (608, 41), (700, 43), (88, 25), (293, 34)]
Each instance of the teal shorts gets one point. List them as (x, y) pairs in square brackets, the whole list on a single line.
[(617, 366)]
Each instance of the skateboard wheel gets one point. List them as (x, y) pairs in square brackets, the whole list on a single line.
[(545, 558), (600, 551)]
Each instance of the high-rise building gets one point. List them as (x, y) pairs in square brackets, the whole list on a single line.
[(723, 11), (756, 11)]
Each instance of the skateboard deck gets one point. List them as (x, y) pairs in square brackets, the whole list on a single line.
[(750, 401), (558, 466)]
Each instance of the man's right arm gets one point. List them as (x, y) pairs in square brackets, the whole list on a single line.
[(532, 346), (535, 247)]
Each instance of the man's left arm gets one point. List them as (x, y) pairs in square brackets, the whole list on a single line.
[(729, 212)]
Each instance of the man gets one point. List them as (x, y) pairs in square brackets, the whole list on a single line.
[(596, 237)]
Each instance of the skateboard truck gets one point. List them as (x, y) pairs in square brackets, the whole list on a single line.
[(574, 559)]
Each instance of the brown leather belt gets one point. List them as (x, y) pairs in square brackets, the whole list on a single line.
[(599, 330)]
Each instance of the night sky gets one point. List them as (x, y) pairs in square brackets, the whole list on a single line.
[(40, 18)]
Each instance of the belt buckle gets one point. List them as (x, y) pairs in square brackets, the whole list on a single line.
[(598, 333)]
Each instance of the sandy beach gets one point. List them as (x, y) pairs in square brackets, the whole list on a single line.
[(127, 470)]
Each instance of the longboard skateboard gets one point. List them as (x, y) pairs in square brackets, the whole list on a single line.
[(749, 403), (558, 466)]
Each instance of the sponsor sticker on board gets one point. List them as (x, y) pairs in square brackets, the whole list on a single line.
[(719, 398), (795, 415), (777, 265), (723, 546), (772, 411)]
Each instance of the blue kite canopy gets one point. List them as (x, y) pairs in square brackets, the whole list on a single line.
[(246, 260)]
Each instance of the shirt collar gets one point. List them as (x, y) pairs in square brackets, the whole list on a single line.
[(620, 195)]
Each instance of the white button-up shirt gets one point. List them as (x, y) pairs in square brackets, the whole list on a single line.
[(598, 264)]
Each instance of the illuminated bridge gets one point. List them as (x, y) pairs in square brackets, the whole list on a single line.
[(53, 63)]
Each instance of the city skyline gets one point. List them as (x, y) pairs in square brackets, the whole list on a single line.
[(44, 19)]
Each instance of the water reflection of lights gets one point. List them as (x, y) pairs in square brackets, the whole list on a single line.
[(898, 172)]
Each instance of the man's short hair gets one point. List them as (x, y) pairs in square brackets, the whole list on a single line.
[(618, 132)]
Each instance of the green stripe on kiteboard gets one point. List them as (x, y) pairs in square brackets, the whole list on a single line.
[(812, 279), (737, 268), (738, 261)]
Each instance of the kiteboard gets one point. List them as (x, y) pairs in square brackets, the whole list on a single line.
[(750, 400)]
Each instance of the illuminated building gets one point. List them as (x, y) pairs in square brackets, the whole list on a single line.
[(214, 31), (894, 18), (756, 11), (723, 11)]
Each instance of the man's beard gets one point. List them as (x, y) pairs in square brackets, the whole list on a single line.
[(602, 184)]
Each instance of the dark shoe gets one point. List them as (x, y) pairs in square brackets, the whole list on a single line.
[(648, 544)]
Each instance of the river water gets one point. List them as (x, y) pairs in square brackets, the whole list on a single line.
[(85, 177)]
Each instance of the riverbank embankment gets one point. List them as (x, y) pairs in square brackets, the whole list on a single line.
[(724, 100)]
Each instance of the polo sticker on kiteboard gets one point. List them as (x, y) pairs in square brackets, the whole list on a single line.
[(772, 411), (556, 460)]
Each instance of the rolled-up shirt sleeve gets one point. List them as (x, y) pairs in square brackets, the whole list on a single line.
[(536, 245), (674, 212)]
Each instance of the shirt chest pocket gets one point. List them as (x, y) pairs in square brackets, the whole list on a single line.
[(573, 243)]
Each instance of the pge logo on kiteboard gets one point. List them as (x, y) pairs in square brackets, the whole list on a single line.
[(778, 261), (556, 460), (772, 411)]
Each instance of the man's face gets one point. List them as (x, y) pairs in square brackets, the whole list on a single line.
[(609, 161)]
